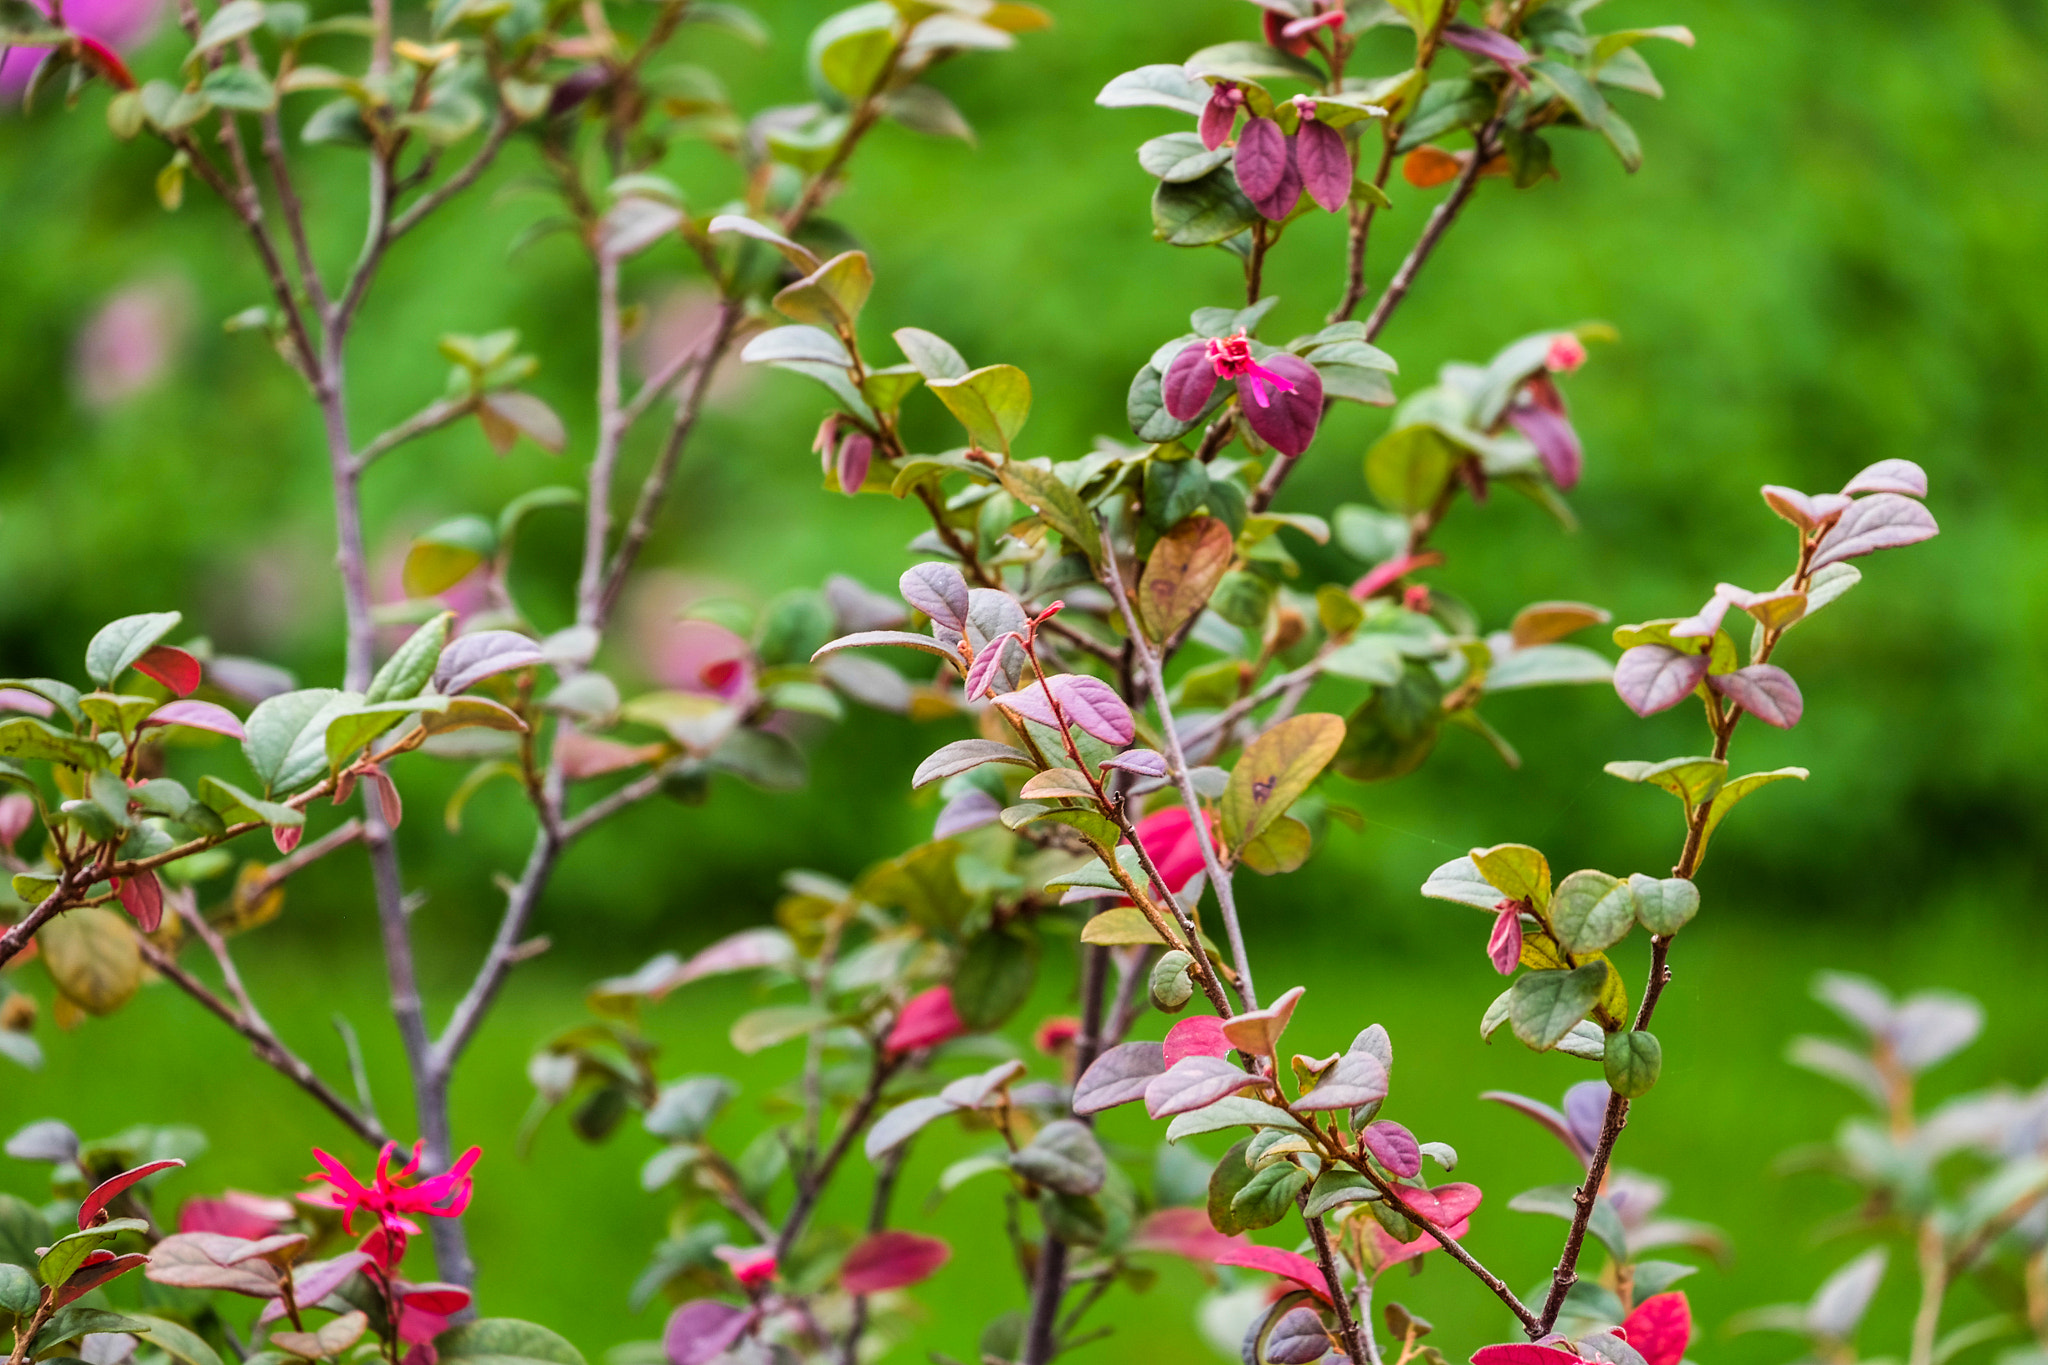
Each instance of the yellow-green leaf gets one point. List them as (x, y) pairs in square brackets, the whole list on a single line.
[(1181, 573), (832, 295), (1276, 768), (991, 402), (1519, 871), (92, 957), (1726, 797)]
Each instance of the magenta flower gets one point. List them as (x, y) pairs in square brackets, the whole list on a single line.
[(751, 1266), (389, 1199), (102, 26), (1282, 398)]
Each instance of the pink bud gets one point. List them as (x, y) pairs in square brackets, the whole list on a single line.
[(1056, 1033), (856, 453), (17, 813), (1504, 944), (927, 1020), (751, 1266), (1566, 354), (287, 837), (1219, 115)]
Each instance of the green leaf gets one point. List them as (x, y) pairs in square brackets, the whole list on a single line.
[(1283, 847), (120, 643), (1543, 1006), (445, 554), (1591, 911), (994, 978), (1166, 85), (1726, 797), (19, 1292), (180, 1343), (22, 1229), (235, 806), (849, 51), (534, 500), (1232, 1174), (411, 667), (923, 109), (236, 19), (1182, 571), (1179, 157), (349, 731), (1517, 870), (1275, 770), (31, 739), (1121, 926), (1060, 505), (991, 402), (1548, 665), (1610, 43), (77, 1320), (1408, 467), (1572, 86), (276, 730), (832, 295), (238, 87), (933, 355), (1201, 212), (23, 24), (1247, 61), (1230, 1112), (1558, 1201), (1065, 1157), (1460, 880), (1268, 1196), (1633, 1062), (505, 1341), (1691, 780), (68, 1253), (1664, 905), (1337, 1187)]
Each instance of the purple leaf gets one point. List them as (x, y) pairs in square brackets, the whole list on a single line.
[(1276, 206), (1325, 164), (1219, 115), (1188, 382), (470, 659), (937, 590), (987, 662), (701, 1330), (1653, 678), (1765, 691), (1030, 702), (1263, 158), (1504, 944), (1882, 521), (1288, 421), (1297, 1339), (1555, 439), (856, 453), (1394, 1147), (1806, 511), (1708, 620), (1141, 762), (1094, 705), (1119, 1076), (197, 715), (1890, 476), (1358, 1078), (1585, 1109), (971, 809), (908, 639), (1492, 45), (1195, 1083)]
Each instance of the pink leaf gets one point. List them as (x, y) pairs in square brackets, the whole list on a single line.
[(1325, 164), (1118, 1076), (927, 1020), (197, 715), (142, 896), (701, 1330), (172, 667), (1653, 678), (1195, 1083), (1765, 691), (1444, 1205), (1274, 25), (1289, 423), (15, 699), (104, 1266), (1188, 382), (104, 1193), (1882, 521), (18, 812), (315, 1280), (1286, 1264), (1660, 1328), (287, 837), (1030, 702), (1886, 476), (1492, 45), (1391, 571), (988, 662), (1198, 1035), (1394, 1147), (1357, 1078), (1263, 159), (1094, 705), (1703, 625), (1545, 1115), (971, 809), (1504, 944), (891, 1260), (388, 804), (1219, 115), (1139, 762), (937, 590), (470, 659), (856, 453), (1183, 1232)]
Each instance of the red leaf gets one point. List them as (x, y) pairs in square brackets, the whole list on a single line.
[(1288, 423), (927, 1020), (1325, 164), (891, 1260), (436, 1298), (1274, 25), (1660, 1328), (105, 1193), (174, 668), (196, 715), (1653, 678), (1391, 571), (1444, 1205), (104, 1266), (1198, 1035), (1188, 382), (142, 896), (1393, 1252), (1286, 1264), (1183, 1232), (287, 837)]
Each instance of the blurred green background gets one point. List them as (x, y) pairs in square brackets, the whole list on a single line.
[(1833, 254)]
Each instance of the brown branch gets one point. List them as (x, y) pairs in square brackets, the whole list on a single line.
[(811, 1184)]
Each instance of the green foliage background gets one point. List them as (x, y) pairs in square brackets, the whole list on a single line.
[(1832, 255)]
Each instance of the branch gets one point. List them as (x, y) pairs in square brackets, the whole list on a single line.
[(494, 142), (432, 417), (814, 1183), (1347, 1324), (503, 955)]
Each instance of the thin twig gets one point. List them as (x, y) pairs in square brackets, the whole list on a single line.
[(432, 417)]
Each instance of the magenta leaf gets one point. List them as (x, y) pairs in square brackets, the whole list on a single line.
[(1886, 476), (892, 1260), (1660, 1328), (701, 1330), (104, 1193), (1394, 1147), (1882, 521), (856, 453), (1555, 439), (1263, 159), (1188, 382), (197, 715), (142, 896), (1504, 944), (1492, 45), (1445, 1205), (436, 1298), (937, 590), (1358, 1078), (1521, 1353), (1288, 1265), (1118, 1076), (1289, 422), (1198, 1035), (1139, 762), (1276, 206), (988, 662), (173, 667), (928, 1019), (1653, 678), (1765, 691), (1325, 164), (1095, 706), (470, 659), (1195, 1083)]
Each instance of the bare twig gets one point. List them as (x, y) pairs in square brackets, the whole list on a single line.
[(432, 417)]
